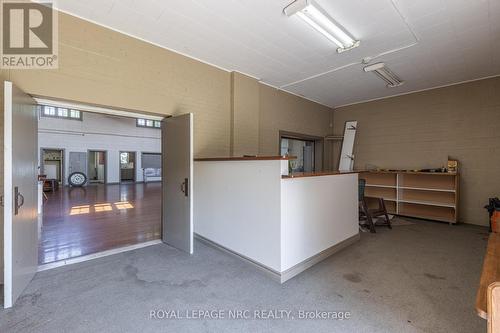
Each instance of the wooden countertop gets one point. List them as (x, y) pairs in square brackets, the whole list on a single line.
[(413, 172), (317, 174), (245, 158), (489, 275)]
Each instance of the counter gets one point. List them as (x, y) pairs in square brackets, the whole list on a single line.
[(283, 225)]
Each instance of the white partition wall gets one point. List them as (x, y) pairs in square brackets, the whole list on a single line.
[(316, 214), (283, 225), (237, 205)]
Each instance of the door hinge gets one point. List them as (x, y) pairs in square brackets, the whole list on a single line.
[(185, 187)]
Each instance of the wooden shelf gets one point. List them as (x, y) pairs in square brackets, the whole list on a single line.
[(426, 195), (389, 194), (391, 205), (436, 198), (427, 203), (385, 186), (432, 182), (381, 179), (385, 198), (424, 189)]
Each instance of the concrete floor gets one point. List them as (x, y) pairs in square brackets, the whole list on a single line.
[(414, 278)]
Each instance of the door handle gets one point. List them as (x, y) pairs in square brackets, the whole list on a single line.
[(18, 200), (185, 187)]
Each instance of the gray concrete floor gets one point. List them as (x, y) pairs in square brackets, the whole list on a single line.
[(414, 278)]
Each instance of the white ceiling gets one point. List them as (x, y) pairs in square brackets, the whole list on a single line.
[(428, 43)]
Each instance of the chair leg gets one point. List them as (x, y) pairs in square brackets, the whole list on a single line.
[(382, 204), (368, 216)]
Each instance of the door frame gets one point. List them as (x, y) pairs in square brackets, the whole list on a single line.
[(105, 163), (109, 110), (319, 146), (120, 166), (63, 162)]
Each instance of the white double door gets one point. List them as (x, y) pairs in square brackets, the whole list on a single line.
[(20, 188)]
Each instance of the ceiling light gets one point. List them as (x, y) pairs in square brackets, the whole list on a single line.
[(385, 74), (316, 17)]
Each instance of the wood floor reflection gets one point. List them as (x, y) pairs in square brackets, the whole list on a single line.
[(82, 221)]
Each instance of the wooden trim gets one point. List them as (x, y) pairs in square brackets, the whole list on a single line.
[(489, 274), (414, 172), (245, 158), (317, 174), (493, 307), (299, 136)]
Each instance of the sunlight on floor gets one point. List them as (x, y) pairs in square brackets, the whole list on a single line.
[(78, 210), (103, 207), (123, 205)]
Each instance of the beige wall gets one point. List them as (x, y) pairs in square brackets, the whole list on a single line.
[(421, 130), (259, 112), (286, 112), (104, 67), (101, 66), (244, 115)]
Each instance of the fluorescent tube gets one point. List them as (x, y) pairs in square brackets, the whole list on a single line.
[(317, 18), (385, 74)]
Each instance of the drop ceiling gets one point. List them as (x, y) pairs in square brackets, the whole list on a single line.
[(428, 43)]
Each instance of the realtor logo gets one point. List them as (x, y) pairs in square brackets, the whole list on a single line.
[(29, 35)]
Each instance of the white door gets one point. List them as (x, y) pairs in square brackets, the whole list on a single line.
[(177, 176), (77, 162), (19, 192)]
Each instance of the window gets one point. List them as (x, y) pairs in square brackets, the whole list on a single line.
[(55, 112), (148, 123)]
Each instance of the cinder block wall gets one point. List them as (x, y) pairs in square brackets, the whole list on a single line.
[(421, 130), (104, 67)]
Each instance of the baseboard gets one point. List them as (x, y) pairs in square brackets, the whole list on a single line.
[(76, 260), (273, 274), (291, 272), (302, 266)]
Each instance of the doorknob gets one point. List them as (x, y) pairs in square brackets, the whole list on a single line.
[(18, 200)]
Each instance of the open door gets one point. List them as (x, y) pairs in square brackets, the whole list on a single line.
[(177, 175), (20, 215)]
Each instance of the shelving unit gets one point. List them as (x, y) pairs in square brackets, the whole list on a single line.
[(427, 195)]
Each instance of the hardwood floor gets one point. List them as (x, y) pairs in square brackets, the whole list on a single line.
[(82, 221)]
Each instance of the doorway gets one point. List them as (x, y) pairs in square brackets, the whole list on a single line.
[(52, 164), (127, 167), (303, 150), (307, 149), (96, 168)]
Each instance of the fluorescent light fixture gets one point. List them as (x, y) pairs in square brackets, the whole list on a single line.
[(385, 74), (316, 17)]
